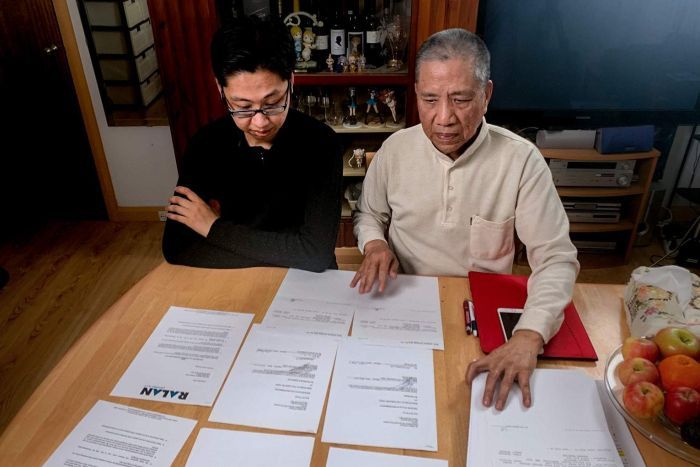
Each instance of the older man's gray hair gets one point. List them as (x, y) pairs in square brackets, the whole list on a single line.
[(456, 43)]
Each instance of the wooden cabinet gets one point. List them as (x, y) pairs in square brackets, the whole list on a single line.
[(604, 244)]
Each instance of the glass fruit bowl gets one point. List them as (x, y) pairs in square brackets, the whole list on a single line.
[(660, 431)]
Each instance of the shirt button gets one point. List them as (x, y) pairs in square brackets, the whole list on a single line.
[(450, 188), (449, 208)]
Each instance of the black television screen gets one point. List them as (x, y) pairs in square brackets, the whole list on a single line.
[(592, 63)]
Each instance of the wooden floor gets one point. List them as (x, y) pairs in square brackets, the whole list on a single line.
[(64, 276)]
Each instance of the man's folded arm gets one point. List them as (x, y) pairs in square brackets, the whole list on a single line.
[(310, 247)]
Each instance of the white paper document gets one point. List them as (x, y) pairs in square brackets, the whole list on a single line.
[(420, 328), (407, 312), (309, 315), (565, 426), (626, 447), (186, 358), (382, 396), (243, 449), (338, 457), (279, 381), (114, 434)]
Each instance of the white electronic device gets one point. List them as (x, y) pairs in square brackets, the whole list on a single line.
[(565, 139)]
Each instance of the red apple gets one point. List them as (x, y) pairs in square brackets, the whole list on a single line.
[(640, 347), (677, 341), (643, 399), (637, 369), (682, 404)]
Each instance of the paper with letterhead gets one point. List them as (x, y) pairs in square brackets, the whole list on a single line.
[(620, 432), (565, 424), (244, 449), (186, 358), (382, 396), (338, 457), (279, 381), (407, 312), (113, 434)]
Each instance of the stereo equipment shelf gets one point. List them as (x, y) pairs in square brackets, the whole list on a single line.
[(591, 192), (632, 198), (601, 227)]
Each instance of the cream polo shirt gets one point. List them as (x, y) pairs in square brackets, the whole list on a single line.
[(450, 217)]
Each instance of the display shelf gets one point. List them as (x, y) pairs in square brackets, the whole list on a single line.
[(593, 155), (352, 79), (367, 129)]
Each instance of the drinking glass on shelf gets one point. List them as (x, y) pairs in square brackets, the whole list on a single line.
[(324, 103), (335, 116), (396, 37), (300, 102), (311, 103)]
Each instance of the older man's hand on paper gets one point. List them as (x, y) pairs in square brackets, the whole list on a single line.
[(378, 265), (513, 361)]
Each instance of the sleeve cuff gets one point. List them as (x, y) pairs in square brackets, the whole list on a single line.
[(539, 322), (365, 239)]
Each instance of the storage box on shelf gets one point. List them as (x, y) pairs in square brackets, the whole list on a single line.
[(606, 242), (121, 38)]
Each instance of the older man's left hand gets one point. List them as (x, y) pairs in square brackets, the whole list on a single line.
[(513, 361)]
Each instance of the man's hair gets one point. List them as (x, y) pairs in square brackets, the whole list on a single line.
[(249, 44), (456, 43)]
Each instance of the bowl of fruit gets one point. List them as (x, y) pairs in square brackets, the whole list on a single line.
[(654, 382)]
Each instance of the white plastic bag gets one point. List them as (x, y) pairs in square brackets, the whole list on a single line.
[(659, 297)]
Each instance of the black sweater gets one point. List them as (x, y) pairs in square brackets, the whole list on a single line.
[(278, 208)]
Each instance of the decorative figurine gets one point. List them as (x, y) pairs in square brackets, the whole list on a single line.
[(351, 119), (352, 63), (355, 42), (388, 98), (342, 64), (296, 35), (309, 42), (372, 104), (361, 63), (330, 62), (357, 161)]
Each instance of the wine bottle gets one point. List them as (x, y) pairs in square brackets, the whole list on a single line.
[(373, 45), (322, 38), (356, 41), (337, 36)]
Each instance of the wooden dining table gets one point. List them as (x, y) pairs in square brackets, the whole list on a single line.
[(93, 365)]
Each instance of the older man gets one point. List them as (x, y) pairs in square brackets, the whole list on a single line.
[(453, 190)]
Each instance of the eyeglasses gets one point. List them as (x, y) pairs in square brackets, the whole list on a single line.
[(268, 111)]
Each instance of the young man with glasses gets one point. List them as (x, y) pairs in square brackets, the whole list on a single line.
[(261, 186)]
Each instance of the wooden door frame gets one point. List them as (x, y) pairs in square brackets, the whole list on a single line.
[(114, 211)]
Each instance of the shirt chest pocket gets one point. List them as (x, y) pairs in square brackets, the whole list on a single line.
[(490, 240)]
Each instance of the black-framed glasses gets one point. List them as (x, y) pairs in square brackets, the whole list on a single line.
[(268, 111)]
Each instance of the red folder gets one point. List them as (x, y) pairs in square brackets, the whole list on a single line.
[(493, 291)]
